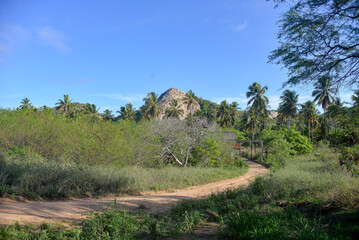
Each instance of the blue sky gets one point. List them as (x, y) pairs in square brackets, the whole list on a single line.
[(113, 52)]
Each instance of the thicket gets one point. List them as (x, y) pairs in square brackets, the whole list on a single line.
[(28, 134), (280, 145), (43, 154)]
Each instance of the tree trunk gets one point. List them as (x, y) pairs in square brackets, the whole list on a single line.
[(254, 126), (325, 127)]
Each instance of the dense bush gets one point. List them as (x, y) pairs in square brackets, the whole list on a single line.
[(53, 179), (279, 149), (284, 143), (350, 159), (51, 136), (299, 144)]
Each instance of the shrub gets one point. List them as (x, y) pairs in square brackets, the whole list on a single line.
[(349, 158), (299, 144)]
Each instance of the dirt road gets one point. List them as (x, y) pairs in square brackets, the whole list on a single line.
[(156, 202)]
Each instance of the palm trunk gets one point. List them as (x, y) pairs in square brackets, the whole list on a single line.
[(254, 126), (325, 127)]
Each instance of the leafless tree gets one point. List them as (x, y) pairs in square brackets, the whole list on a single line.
[(178, 137)]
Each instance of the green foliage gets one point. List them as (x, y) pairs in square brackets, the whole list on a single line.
[(350, 159), (278, 148), (208, 153), (53, 180), (51, 136), (42, 232), (298, 143), (110, 225), (287, 224), (290, 203), (319, 39), (284, 143)]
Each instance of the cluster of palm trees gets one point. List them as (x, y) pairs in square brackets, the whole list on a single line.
[(253, 119), (323, 96), (151, 109)]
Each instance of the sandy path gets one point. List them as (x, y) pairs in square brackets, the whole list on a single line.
[(155, 202)]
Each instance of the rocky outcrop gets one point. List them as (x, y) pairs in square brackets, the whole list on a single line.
[(273, 114), (173, 93)]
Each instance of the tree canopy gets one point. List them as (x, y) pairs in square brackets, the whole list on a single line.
[(319, 39)]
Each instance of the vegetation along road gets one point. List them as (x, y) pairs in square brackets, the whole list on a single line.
[(154, 202)]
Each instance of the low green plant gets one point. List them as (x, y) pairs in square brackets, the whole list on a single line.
[(349, 158), (52, 179)]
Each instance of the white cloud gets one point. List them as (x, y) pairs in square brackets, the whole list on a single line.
[(131, 98), (11, 32), (242, 26), (53, 38)]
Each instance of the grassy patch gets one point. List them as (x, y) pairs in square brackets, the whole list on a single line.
[(310, 198), (52, 179)]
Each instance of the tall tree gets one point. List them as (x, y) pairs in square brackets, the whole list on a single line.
[(234, 110), (64, 104), (355, 99), (308, 114), (151, 109), (224, 114), (107, 115), (323, 96), (319, 39), (25, 104), (127, 112), (174, 110), (288, 106), (258, 102), (91, 109), (208, 110), (190, 100), (335, 110)]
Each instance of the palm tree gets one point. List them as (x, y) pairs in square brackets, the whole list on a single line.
[(258, 102), (308, 114), (234, 107), (174, 111), (288, 107), (150, 109), (208, 110), (107, 115), (248, 119), (64, 104), (25, 104), (335, 110), (190, 100), (127, 112), (224, 114), (91, 108), (322, 94)]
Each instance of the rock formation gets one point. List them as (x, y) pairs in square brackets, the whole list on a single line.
[(173, 93)]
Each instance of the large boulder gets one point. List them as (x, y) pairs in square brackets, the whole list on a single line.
[(173, 93)]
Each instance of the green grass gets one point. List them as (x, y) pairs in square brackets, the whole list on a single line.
[(310, 198), (53, 179)]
